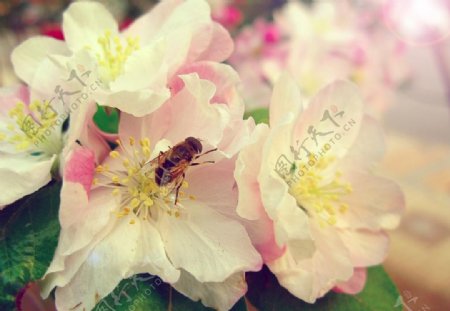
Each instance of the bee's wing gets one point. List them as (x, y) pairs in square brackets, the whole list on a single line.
[(176, 177), (150, 167)]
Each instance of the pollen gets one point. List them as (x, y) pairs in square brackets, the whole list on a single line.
[(31, 126), (321, 192), (114, 154), (114, 52), (132, 180)]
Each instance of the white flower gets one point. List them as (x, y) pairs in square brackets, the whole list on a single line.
[(128, 224), (135, 65), (308, 181)]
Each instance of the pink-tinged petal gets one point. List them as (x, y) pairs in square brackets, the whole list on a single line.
[(291, 223), (222, 75), (366, 248), (220, 46), (192, 19), (246, 173), (80, 168), (194, 243), (286, 98), (194, 101), (110, 137), (30, 55), (95, 140), (262, 235), (355, 285), (10, 96), (218, 178), (236, 136), (22, 175), (310, 279), (375, 202), (84, 22), (219, 296), (83, 129), (152, 126), (335, 110)]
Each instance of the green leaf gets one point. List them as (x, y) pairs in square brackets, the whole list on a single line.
[(380, 294), (145, 292), (261, 115), (107, 119), (29, 230)]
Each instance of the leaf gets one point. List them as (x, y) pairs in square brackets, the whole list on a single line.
[(29, 230), (145, 292), (261, 115), (380, 294), (107, 119)]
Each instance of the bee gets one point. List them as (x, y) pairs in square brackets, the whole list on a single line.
[(171, 165)]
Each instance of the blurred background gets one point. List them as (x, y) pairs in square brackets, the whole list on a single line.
[(397, 51)]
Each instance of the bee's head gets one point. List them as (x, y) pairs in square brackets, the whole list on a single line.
[(195, 144)]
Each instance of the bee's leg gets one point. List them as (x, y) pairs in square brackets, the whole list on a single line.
[(194, 164), (206, 152), (178, 188)]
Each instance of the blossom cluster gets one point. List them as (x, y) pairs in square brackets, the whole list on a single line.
[(317, 44), (187, 189)]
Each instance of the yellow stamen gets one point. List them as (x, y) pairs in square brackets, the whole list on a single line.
[(323, 200), (114, 154), (32, 127), (114, 54)]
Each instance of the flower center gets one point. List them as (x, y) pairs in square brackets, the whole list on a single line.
[(35, 130), (134, 180), (321, 196), (113, 55)]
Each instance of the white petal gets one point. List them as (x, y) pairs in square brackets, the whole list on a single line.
[(286, 98), (84, 22), (310, 279), (152, 126), (375, 202), (369, 146), (144, 68), (247, 169), (109, 262), (208, 245), (151, 256), (82, 219), (221, 194), (148, 25), (205, 121), (144, 101), (30, 55), (366, 248), (20, 176), (276, 150), (64, 267), (323, 117), (219, 296)]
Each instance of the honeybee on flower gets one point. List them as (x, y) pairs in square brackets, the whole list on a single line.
[(118, 218)]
